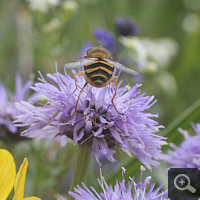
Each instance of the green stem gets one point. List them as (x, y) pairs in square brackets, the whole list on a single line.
[(182, 121), (81, 167)]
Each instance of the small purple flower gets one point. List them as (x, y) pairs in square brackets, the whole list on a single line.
[(104, 38), (126, 26), (96, 122), (187, 155), (121, 190), (87, 45), (8, 111)]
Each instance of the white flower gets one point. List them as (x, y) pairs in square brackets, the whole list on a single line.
[(42, 5)]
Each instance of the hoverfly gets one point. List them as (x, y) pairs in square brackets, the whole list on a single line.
[(98, 71)]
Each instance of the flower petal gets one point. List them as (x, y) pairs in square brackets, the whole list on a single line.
[(20, 181), (32, 198), (7, 173)]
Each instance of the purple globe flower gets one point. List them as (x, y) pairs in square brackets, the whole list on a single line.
[(132, 191), (104, 38), (187, 154), (96, 122), (126, 26), (8, 111)]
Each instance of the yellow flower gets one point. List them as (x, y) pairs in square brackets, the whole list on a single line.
[(8, 177)]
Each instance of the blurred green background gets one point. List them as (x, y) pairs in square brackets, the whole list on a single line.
[(36, 34)]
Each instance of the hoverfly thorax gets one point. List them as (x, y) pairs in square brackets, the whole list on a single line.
[(98, 52)]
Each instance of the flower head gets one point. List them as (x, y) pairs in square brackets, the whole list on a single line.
[(133, 190), (126, 26), (9, 179), (96, 122), (190, 148), (8, 111)]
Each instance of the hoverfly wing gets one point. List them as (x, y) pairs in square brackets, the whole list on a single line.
[(79, 63), (74, 64), (121, 67)]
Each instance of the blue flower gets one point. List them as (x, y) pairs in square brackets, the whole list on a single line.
[(87, 45), (126, 26), (104, 39), (96, 122), (121, 190), (187, 154), (8, 111)]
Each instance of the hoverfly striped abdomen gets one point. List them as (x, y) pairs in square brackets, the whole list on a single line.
[(99, 73)]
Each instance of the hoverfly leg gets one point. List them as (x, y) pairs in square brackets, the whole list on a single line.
[(77, 103), (79, 74), (114, 97), (116, 78)]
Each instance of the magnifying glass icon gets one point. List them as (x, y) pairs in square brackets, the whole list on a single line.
[(181, 182)]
